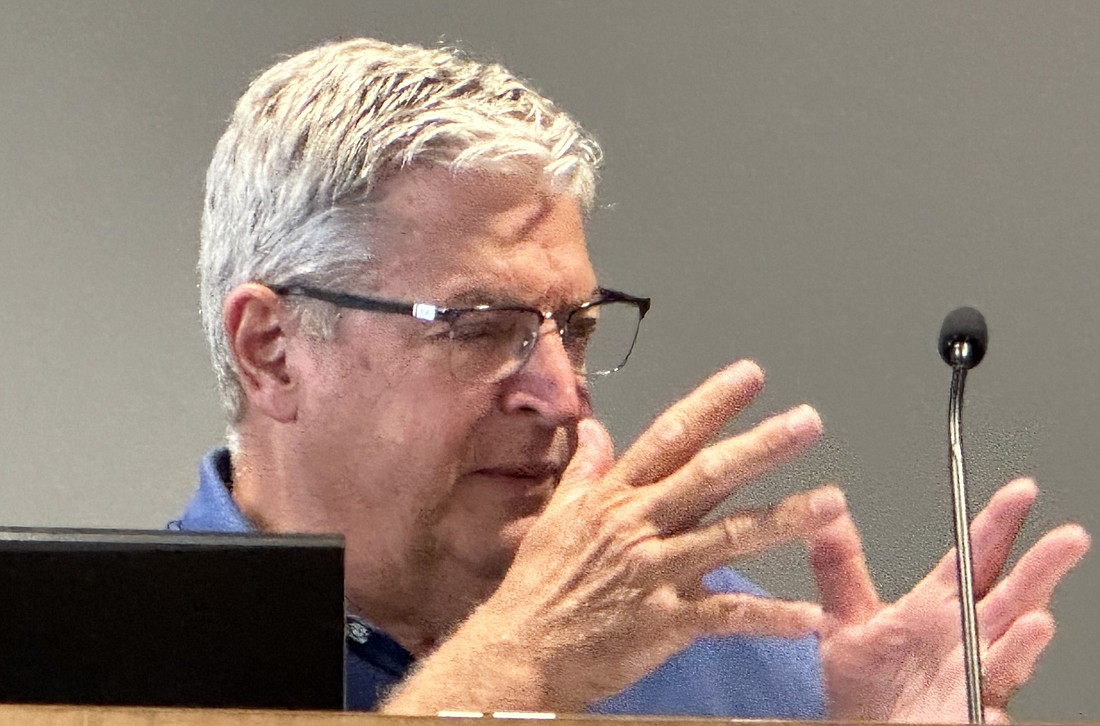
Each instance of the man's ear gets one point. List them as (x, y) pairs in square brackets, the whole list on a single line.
[(256, 322)]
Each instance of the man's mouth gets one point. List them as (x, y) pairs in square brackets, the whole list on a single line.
[(532, 472)]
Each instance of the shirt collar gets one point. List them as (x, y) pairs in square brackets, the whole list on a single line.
[(212, 509)]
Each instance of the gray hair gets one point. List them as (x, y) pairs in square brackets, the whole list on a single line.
[(289, 190)]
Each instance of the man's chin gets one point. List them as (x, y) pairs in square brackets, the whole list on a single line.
[(513, 532), (494, 558)]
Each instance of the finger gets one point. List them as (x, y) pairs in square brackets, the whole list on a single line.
[(1011, 659), (992, 535), (713, 474), (691, 555), (593, 457), (737, 614), (840, 570), (1030, 584), (687, 425)]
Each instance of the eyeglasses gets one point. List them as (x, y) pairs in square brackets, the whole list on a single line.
[(488, 343)]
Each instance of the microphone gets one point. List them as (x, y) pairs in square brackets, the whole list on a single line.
[(964, 338)]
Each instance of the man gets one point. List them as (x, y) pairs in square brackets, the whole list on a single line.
[(403, 315)]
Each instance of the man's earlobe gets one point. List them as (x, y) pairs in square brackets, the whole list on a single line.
[(255, 320)]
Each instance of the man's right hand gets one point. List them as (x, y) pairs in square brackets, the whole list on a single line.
[(606, 585)]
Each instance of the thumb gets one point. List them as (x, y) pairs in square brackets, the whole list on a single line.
[(592, 459)]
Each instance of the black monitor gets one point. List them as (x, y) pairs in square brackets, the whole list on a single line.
[(110, 617)]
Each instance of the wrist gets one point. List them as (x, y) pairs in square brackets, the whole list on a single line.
[(485, 665)]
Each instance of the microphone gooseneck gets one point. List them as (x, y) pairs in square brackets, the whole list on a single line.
[(962, 345)]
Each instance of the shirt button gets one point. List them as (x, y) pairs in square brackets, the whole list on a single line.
[(357, 631)]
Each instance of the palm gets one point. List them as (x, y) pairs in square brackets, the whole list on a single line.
[(917, 637), (903, 661)]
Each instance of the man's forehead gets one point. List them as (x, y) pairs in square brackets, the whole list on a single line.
[(516, 280), (506, 206), (474, 238)]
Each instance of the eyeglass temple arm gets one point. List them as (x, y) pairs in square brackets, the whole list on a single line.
[(424, 311), (345, 300), (616, 296)]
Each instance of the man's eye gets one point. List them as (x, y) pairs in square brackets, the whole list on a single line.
[(482, 327), (473, 332), (581, 329)]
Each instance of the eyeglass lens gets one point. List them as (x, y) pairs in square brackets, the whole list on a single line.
[(489, 345)]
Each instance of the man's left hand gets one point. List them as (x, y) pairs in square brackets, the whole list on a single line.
[(903, 661)]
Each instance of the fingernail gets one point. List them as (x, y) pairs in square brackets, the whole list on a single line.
[(827, 503), (744, 374), (803, 422), (809, 621), (1028, 483)]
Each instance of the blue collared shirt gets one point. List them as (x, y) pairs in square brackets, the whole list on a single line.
[(733, 677)]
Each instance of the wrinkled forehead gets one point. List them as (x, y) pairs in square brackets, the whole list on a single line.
[(477, 236)]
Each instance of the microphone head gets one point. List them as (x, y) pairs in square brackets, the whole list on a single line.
[(963, 325)]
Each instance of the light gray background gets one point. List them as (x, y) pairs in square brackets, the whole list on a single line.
[(810, 184)]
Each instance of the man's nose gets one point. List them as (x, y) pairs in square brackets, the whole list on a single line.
[(547, 384)]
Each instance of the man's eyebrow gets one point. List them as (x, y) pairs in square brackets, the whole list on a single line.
[(477, 296), (480, 296)]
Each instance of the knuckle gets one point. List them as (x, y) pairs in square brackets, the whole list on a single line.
[(735, 530), (670, 427), (621, 519), (786, 517), (772, 442), (664, 599), (743, 611), (735, 609), (725, 615), (713, 465), (617, 523), (642, 557)]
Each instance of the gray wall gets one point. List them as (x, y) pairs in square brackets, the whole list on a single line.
[(810, 184)]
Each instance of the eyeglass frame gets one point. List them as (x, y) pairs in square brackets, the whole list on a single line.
[(428, 312)]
